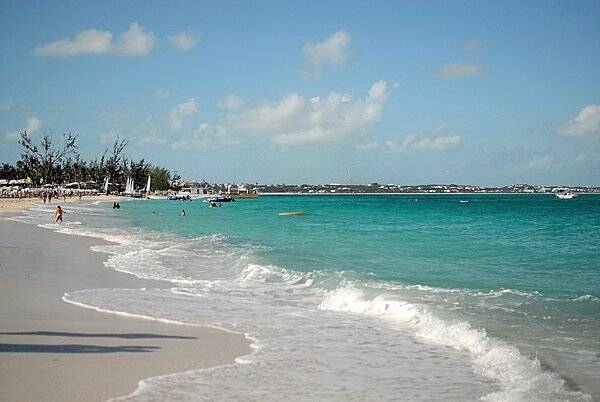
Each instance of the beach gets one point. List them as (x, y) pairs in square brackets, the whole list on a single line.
[(435, 299), (54, 350), (10, 206)]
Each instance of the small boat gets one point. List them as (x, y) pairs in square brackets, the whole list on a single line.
[(294, 213), (566, 195), (220, 198), (190, 193)]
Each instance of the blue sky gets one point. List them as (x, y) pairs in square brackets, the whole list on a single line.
[(399, 92)]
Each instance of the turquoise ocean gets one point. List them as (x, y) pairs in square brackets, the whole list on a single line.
[(365, 297)]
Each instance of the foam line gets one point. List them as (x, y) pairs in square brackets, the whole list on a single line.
[(66, 299), (492, 358)]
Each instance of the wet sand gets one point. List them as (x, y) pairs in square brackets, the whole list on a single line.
[(51, 350)]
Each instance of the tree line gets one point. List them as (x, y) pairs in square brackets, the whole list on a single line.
[(52, 163)]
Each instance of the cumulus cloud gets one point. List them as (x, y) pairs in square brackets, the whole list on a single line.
[(184, 41), (33, 125), (425, 144), (333, 51), (231, 102), (585, 124), (133, 42), (295, 120), (181, 112), (206, 136), (460, 70)]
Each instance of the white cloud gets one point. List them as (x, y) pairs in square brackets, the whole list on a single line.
[(5, 106), (91, 41), (134, 42), (585, 124), (206, 136), (181, 112), (367, 146), (295, 120), (332, 51), (184, 41), (33, 125), (472, 45), (231, 102), (162, 93), (425, 144), (460, 70)]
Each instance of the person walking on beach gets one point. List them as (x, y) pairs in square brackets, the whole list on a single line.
[(58, 213)]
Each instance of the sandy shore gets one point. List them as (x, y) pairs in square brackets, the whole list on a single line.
[(12, 205), (51, 350)]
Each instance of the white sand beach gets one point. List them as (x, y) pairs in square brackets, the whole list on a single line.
[(51, 350)]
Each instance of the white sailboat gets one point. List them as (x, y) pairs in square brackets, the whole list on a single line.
[(129, 187), (152, 197), (105, 187)]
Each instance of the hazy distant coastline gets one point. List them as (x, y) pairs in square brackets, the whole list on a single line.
[(376, 188)]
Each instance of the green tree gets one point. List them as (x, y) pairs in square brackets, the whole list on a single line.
[(161, 178), (43, 163), (114, 164), (139, 172), (8, 172)]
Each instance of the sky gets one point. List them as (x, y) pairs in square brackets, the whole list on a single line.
[(399, 92)]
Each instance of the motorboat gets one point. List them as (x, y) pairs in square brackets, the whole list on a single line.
[(566, 195), (220, 198), (190, 193)]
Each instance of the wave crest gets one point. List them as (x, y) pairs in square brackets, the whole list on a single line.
[(521, 378)]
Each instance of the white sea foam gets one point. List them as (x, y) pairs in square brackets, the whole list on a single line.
[(588, 298), (254, 273), (503, 292), (522, 378), (67, 297)]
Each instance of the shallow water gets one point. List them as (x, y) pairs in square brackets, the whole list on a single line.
[(367, 297)]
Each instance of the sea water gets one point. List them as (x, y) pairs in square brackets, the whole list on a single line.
[(365, 297)]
